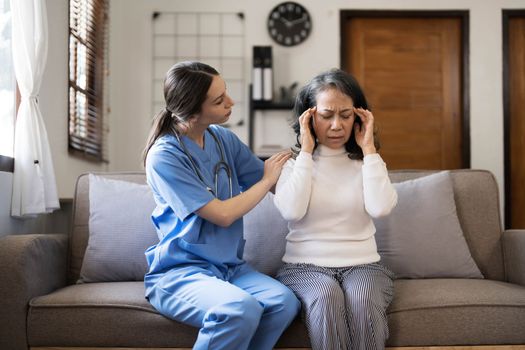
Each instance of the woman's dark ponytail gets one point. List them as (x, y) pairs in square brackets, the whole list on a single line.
[(185, 89), (163, 123)]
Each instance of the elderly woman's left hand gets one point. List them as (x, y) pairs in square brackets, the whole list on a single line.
[(364, 133)]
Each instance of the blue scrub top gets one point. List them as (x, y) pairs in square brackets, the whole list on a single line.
[(185, 238)]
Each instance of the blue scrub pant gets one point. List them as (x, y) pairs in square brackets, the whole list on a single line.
[(244, 310)]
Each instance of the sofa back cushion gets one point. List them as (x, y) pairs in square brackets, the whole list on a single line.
[(475, 193), (422, 236), (477, 205), (265, 233), (120, 231), (79, 234), (111, 208)]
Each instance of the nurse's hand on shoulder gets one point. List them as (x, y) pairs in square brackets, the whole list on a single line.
[(225, 212), (274, 165)]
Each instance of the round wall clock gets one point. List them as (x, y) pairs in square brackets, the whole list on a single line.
[(289, 24)]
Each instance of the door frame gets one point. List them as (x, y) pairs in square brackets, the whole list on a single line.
[(506, 15), (463, 15)]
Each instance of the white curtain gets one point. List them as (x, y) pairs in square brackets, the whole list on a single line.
[(34, 185)]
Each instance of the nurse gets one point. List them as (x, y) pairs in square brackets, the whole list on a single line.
[(204, 179)]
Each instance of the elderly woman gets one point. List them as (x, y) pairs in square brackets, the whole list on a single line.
[(329, 194)]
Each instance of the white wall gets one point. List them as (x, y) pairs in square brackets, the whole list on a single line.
[(131, 63), (130, 70)]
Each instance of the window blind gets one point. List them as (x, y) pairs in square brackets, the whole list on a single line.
[(87, 51)]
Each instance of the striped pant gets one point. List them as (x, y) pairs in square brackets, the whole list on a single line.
[(344, 307)]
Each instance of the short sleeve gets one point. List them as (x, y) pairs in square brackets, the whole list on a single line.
[(249, 168), (171, 177)]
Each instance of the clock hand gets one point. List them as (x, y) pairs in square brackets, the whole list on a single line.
[(299, 20), (286, 22)]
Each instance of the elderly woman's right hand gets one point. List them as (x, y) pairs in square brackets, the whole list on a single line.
[(307, 138)]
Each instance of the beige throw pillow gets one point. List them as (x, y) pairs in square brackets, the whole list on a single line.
[(422, 236)]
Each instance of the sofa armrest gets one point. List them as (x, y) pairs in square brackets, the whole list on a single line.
[(514, 256), (30, 266)]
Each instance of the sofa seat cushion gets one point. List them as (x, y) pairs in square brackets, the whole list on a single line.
[(103, 314), (423, 312), (456, 312), (115, 314)]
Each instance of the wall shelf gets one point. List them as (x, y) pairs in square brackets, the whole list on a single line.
[(261, 106)]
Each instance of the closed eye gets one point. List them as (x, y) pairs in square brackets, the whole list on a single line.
[(330, 115)]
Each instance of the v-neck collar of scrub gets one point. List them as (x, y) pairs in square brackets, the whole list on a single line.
[(195, 150)]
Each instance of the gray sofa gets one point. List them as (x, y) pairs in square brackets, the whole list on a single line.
[(41, 306)]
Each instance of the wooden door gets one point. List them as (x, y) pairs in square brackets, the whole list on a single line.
[(515, 123), (411, 72)]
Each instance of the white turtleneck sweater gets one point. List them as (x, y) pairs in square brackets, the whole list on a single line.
[(329, 200)]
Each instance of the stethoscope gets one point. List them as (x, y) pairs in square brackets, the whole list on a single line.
[(216, 170)]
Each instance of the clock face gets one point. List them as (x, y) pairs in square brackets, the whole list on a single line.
[(289, 24)]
